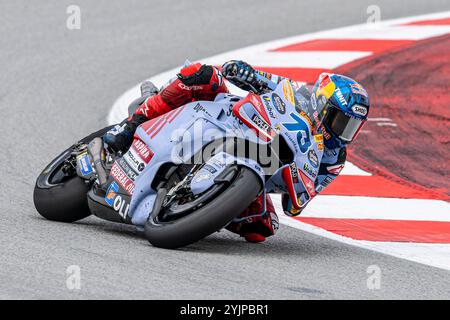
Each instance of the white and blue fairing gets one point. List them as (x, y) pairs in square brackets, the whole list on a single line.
[(206, 121)]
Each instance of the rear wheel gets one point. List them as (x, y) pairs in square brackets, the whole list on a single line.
[(62, 196), (184, 222)]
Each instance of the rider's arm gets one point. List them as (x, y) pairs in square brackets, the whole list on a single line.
[(244, 76), (329, 169), (269, 80), (194, 82)]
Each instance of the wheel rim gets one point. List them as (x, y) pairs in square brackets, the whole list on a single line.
[(176, 210)]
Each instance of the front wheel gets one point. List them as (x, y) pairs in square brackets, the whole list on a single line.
[(222, 204)]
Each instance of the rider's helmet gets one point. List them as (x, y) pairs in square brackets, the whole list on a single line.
[(340, 107)]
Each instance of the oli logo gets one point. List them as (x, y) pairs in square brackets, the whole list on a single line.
[(114, 200)]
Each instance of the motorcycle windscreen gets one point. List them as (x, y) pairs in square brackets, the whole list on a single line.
[(342, 125)]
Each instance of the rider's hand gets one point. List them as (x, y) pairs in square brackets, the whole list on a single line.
[(238, 69)]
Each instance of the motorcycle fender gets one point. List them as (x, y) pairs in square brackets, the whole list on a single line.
[(143, 195), (215, 166), (143, 210)]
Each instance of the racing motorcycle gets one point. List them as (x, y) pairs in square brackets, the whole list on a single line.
[(178, 183)]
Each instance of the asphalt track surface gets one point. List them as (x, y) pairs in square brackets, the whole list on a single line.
[(57, 85)]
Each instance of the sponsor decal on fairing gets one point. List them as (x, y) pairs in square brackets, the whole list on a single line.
[(124, 181)]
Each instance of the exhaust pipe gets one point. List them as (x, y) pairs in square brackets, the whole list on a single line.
[(95, 149)]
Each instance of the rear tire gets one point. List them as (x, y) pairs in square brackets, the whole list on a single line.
[(61, 198), (209, 218), (64, 200)]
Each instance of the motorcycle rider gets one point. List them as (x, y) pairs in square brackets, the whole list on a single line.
[(341, 106)]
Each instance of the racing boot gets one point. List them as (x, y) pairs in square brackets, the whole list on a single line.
[(255, 225), (120, 137)]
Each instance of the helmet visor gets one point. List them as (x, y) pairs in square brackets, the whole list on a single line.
[(342, 125)]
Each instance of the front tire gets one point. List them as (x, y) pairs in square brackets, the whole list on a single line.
[(209, 218)]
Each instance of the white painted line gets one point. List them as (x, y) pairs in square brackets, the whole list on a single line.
[(386, 124), (379, 119), (392, 33), (433, 254), (436, 255), (351, 170), (298, 59), (344, 207)]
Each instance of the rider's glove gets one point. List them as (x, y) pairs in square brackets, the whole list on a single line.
[(120, 137), (241, 74)]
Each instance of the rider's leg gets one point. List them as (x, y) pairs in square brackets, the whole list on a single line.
[(194, 82), (255, 225)]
